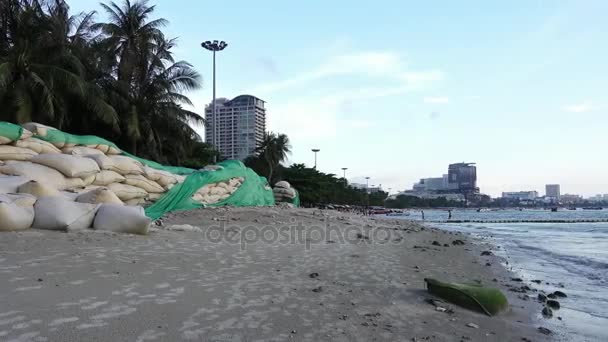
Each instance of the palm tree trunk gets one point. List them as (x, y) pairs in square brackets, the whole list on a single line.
[(270, 173), (133, 146)]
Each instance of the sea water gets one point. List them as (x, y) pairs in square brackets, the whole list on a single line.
[(569, 257)]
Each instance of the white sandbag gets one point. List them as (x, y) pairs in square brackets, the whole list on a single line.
[(234, 182), (136, 201), (282, 184), (197, 197), (290, 193), (88, 180), (4, 140), (22, 200), (205, 190), (99, 195), (56, 213), (38, 189), (163, 178), (103, 148), (169, 187), (127, 192), (38, 129), (15, 217), (70, 166), (69, 195), (80, 151), (73, 183), (104, 162), (10, 184), (211, 199), (223, 185), (37, 145), (106, 177), (155, 196), (122, 219), (212, 168), (113, 150), (142, 182), (8, 152), (126, 165), (35, 172), (217, 190)]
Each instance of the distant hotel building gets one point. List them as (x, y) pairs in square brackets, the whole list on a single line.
[(521, 195), (461, 178), (552, 190), (241, 125), (457, 184)]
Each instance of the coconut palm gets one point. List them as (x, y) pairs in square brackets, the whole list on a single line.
[(149, 81), (274, 150), (40, 78)]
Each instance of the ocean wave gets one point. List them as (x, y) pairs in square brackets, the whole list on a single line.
[(591, 265)]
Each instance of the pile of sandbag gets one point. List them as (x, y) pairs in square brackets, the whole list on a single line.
[(283, 192), (71, 185), (216, 192), (73, 170)]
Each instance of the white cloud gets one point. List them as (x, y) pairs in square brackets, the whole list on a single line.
[(436, 99), (386, 65), (582, 107)]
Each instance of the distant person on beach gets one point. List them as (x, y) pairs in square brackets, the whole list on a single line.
[(422, 211), (449, 214)]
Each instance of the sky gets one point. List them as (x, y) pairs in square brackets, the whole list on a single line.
[(397, 90)]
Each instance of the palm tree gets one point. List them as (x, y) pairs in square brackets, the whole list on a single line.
[(149, 83), (274, 150), (40, 78)]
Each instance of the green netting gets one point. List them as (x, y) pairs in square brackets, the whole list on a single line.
[(296, 200), (56, 136), (253, 192), (10, 131)]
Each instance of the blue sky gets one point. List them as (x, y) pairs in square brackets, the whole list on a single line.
[(397, 90)]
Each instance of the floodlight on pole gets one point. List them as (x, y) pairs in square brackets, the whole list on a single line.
[(214, 46), (315, 150), (344, 173)]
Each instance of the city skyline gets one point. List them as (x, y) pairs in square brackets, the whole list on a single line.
[(517, 87)]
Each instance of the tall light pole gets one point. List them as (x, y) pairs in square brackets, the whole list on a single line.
[(315, 150), (344, 171), (214, 46), (367, 194)]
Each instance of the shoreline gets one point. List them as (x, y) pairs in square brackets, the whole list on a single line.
[(189, 285)]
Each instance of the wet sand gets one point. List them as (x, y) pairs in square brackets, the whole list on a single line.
[(216, 283)]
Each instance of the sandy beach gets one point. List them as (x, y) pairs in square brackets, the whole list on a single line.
[(250, 274)]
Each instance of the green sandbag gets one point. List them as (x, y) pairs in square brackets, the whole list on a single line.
[(474, 297)]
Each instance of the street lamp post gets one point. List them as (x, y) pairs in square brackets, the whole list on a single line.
[(214, 46), (367, 194), (344, 171), (315, 150)]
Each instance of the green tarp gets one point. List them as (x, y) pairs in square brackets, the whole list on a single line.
[(253, 192), (10, 131)]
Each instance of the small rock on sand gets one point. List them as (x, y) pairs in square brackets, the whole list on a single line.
[(553, 304), (559, 294), (544, 331), (473, 325)]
